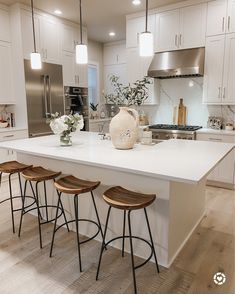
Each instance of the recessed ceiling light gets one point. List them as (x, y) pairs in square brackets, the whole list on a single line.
[(112, 34), (58, 12), (136, 2)]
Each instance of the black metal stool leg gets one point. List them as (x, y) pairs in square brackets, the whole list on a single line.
[(11, 201), (132, 253), (97, 215), (151, 239), (45, 197), (21, 190), (62, 208), (77, 230), (0, 179), (56, 217), (22, 210), (39, 221), (123, 233), (34, 195), (103, 243)]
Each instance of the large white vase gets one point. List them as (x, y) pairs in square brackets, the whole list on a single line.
[(124, 128)]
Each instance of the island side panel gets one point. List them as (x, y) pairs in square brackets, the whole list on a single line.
[(187, 208), (158, 212)]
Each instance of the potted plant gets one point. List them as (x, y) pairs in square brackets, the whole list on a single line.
[(94, 111)]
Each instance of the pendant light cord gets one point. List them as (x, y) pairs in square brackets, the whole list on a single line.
[(81, 20), (34, 38), (146, 16)]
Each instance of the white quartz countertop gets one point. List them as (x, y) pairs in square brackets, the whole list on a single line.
[(176, 160), (215, 132)]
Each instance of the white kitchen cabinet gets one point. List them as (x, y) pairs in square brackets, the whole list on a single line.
[(119, 70), (216, 17), (50, 40), (181, 28), (135, 26), (231, 16), (223, 173), (228, 95), (71, 37), (167, 30), (27, 33), (6, 76), (73, 74), (219, 86), (213, 74), (5, 34), (114, 54)]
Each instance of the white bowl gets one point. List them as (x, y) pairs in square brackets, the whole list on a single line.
[(3, 124)]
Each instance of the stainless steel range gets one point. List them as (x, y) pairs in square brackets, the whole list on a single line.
[(165, 132)]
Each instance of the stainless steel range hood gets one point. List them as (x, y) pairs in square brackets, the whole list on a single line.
[(179, 63)]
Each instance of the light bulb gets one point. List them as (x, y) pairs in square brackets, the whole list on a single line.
[(35, 59), (81, 54), (136, 2), (146, 44)]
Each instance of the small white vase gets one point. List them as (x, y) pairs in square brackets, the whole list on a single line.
[(124, 128)]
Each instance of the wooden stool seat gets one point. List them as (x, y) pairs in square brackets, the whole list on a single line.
[(39, 174), (12, 167), (73, 185), (121, 198)]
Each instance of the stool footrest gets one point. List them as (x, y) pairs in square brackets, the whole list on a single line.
[(15, 197), (81, 220), (133, 237)]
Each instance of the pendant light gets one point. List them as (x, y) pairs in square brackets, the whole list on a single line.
[(81, 49), (146, 39), (35, 57)]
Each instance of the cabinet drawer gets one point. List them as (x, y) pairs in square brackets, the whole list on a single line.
[(216, 138), (13, 135)]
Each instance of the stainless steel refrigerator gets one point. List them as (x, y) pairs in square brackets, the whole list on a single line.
[(44, 92)]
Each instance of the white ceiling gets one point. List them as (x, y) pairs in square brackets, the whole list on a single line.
[(100, 16)]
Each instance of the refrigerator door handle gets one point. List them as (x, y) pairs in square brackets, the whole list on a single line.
[(49, 92), (45, 94)]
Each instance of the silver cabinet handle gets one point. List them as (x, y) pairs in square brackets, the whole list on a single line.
[(176, 40), (46, 53), (224, 92), (219, 94), (78, 79), (180, 39), (223, 24), (229, 22), (8, 136)]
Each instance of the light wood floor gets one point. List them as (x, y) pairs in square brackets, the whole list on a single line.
[(24, 268)]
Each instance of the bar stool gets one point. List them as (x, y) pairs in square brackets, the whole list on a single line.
[(11, 168), (75, 186), (39, 175), (120, 198)]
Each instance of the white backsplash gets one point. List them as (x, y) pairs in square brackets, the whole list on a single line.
[(190, 89)]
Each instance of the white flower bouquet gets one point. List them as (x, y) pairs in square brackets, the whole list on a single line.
[(64, 125)]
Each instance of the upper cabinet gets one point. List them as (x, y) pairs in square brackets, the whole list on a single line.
[(5, 34), (181, 28), (114, 54), (71, 37), (220, 17), (135, 26)]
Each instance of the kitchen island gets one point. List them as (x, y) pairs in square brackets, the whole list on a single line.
[(175, 170)]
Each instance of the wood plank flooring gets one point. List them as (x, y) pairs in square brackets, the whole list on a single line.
[(26, 269)]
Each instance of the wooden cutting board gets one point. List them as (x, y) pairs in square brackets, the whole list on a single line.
[(180, 114)]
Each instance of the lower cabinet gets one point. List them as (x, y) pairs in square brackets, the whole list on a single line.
[(99, 126), (9, 155), (223, 173)]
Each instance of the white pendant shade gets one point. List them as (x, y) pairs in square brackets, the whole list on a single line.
[(81, 54), (146, 44), (36, 62)]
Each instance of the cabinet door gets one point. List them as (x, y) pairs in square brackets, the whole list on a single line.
[(231, 16), (81, 73), (50, 40), (192, 26), (68, 38), (5, 34), (167, 31), (216, 17), (6, 79), (118, 70), (68, 61), (226, 169), (213, 75), (228, 95), (134, 67), (27, 33), (114, 54)]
